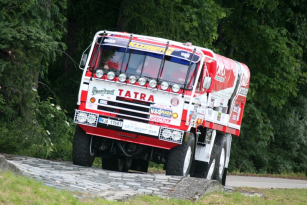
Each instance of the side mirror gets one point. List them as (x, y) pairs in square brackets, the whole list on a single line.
[(83, 60), (207, 82)]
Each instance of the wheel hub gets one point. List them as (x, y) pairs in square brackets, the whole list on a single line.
[(222, 161), (91, 151), (187, 160), (211, 169)]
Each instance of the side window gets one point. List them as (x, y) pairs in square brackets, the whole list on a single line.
[(200, 81)]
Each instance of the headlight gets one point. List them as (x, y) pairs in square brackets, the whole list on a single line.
[(166, 133), (122, 77), (99, 73), (132, 79), (111, 75), (164, 85), (142, 81), (176, 135), (91, 119), (152, 83), (175, 88), (82, 117)]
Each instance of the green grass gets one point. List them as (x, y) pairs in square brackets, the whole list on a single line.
[(22, 190)]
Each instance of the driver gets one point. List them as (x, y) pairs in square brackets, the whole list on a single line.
[(179, 74), (151, 67), (114, 62)]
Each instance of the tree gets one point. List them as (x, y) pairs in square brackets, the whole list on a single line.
[(30, 34)]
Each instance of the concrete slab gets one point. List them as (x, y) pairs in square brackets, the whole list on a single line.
[(194, 188)]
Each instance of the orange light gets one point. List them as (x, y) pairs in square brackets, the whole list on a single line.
[(92, 100), (175, 115), (199, 121)]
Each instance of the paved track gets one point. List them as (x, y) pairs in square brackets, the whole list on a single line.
[(265, 182), (96, 181)]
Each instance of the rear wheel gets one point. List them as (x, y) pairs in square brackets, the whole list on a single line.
[(83, 153), (220, 147), (215, 169), (180, 158)]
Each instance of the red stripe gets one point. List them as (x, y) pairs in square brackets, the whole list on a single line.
[(113, 134)]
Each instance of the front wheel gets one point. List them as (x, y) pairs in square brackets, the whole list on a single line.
[(180, 158), (82, 153)]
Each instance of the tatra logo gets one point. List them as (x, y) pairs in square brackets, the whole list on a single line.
[(104, 91), (220, 69), (136, 95), (151, 48), (186, 55), (109, 40), (174, 101)]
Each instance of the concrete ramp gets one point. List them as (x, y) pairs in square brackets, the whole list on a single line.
[(194, 188), (111, 185)]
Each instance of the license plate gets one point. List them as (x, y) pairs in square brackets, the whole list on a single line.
[(110, 122)]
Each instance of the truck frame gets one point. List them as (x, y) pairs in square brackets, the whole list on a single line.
[(144, 98)]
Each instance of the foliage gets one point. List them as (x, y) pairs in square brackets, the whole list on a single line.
[(269, 37), (30, 34)]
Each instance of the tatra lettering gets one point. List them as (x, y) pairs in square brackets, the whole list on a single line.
[(136, 95), (142, 96)]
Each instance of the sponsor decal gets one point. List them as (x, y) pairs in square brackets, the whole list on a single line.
[(166, 113), (219, 78), (220, 69), (104, 91), (155, 111), (185, 55), (174, 101), (243, 91), (161, 112), (103, 102), (151, 48), (141, 127), (136, 95), (107, 40), (245, 78), (234, 117), (160, 120)]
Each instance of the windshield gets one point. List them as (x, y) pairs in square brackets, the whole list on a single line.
[(140, 63)]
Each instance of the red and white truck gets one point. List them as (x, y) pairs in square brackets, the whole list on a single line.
[(145, 98)]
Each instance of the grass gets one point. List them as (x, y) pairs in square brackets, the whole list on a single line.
[(16, 189)]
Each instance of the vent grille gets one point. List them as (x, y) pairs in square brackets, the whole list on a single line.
[(127, 108)]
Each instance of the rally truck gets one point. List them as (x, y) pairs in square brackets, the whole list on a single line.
[(144, 98)]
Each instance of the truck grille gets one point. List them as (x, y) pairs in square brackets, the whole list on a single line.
[(127, 109)]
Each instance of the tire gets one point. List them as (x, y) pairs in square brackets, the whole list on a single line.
[(220, 150), (180, 158), (82, 153), (215, 169)]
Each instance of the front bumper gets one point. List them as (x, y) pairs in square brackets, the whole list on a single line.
[(126, 128)]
